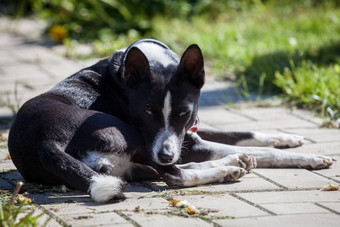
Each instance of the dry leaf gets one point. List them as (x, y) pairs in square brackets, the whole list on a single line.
[(331, 188)]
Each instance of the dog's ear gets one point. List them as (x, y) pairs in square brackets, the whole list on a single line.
[(191, 66), (136, 67)]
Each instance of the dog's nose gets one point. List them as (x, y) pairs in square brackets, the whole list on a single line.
[(166, 156)]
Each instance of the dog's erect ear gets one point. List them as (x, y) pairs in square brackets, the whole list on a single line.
[(136, 67), (192, 65)]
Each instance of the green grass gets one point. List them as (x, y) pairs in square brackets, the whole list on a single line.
[(291, 49)]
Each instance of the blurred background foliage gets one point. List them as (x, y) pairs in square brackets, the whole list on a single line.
[(284, 47)]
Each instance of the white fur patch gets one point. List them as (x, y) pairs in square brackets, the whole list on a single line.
[(167, 110), (155, 52), (117, 165), (166, 135), (104, 188)]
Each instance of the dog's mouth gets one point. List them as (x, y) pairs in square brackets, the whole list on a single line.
[(166, 149)]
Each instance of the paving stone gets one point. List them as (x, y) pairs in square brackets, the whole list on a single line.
[(269, 114), (6, 58), (333, 172), (335, 206), (284, 220), (318, 134), (307, 115), (109, 219), (147, 220), (4, 185), (130, 204), (295, 178), (91, 206), (282, 123), (50, 197), (69, 208), (220, 116), (294, 208), (312, 196), (41, 220), (61, 70), (324, 148), (249, 182), (7, 166), (224, 204), (35, 54)]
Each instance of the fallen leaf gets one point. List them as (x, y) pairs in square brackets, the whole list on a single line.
[(331, 188)]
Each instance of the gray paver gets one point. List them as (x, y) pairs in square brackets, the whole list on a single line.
[(324, 148), (318, 134), (312, 196), (147, 220), (109, 219), (335, 206), (223, 205), (214, 116), (294, 208), (5, 185), (285, 220), (295, 178)]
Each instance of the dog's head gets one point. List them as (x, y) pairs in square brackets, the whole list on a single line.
[(163, 95)]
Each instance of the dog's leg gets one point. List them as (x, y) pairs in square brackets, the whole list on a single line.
[(239, 160), (193, 177), (278, 140), (78, 175), (202, 150)]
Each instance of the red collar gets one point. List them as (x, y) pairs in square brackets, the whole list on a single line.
[(194, 127)]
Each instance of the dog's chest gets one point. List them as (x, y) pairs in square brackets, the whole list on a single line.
[(111, 164)]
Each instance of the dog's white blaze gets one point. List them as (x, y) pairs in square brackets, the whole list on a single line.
[(157, 53), (166, 135), (104, 188), (167, 110)]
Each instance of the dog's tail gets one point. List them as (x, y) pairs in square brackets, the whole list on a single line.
[(77, 175)]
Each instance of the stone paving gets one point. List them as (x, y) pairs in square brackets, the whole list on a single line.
[(265, 197)]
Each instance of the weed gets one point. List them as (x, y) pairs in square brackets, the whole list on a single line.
[(15, 212)]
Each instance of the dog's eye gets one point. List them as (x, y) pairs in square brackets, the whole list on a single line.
[(148, 112), (184, 113)]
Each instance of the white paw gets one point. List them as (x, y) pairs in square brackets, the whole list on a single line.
[(286, 140), (105, 188), (320, 161)]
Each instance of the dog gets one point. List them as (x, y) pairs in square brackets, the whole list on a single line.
[(133, 117)]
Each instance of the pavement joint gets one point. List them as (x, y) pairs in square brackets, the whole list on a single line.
[(329, 178), (269, 180), (252, 204), (327, 208)]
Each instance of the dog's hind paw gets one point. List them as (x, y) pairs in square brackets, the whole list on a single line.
[(320, 161), (287, 140), (105, 188)]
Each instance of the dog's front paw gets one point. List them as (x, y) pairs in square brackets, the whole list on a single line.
[(234, 173), (247, 162), (172, 180), (105, 188)]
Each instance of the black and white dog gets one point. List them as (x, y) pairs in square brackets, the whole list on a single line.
[(131, 118)]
